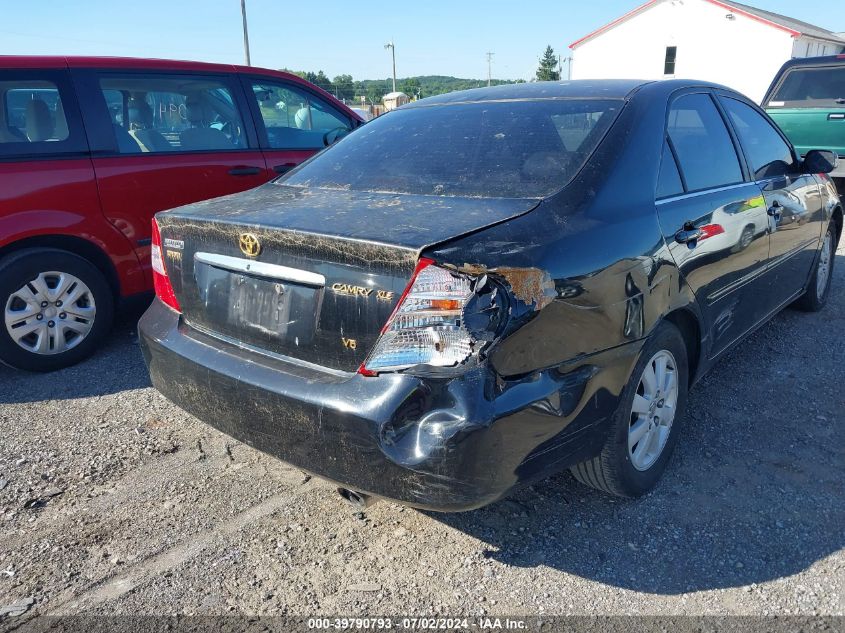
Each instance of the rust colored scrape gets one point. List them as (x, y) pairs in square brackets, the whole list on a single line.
[(531, 285)]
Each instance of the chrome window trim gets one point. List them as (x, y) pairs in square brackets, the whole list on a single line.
[(702, 192), (262, 269)]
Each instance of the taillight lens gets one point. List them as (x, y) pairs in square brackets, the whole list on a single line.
[(161, 282), (710, 230), (428, 325)]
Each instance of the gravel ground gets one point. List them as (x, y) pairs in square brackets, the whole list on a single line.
[(112, 500)]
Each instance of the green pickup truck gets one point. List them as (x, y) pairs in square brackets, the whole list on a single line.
[(807, 100)]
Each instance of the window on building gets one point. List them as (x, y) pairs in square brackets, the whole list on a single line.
[(669, 63)]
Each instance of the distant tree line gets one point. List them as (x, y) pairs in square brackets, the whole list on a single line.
[(346, 88)]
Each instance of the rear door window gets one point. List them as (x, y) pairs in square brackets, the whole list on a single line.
[(767, 152), (669, 180), (821, 87), (34, 118), (294, 118), (702, 143), (172, 113)]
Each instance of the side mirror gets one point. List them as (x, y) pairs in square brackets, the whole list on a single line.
[(333, 136), (820, 161)]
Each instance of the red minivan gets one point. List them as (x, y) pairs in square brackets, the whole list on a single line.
[(91, 148)]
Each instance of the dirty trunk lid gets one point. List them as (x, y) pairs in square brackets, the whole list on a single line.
[(326, 272)]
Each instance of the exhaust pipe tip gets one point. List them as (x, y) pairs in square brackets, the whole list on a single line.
[(359, 500)]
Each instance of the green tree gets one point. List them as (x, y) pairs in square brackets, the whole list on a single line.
[(344, 86), (547, 71), (375, 91), (411, 86)]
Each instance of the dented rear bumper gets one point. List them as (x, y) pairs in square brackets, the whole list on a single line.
[(441, 444)]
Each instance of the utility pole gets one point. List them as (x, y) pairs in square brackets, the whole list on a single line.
[(393, 53), (489, 67), (246, 35)]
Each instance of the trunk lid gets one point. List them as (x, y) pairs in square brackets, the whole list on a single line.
[(327, 269)]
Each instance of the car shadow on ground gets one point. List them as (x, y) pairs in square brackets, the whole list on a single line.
[(754, 491), (116, 366)]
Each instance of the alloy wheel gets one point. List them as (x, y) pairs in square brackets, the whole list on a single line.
[(50, 314), (653, 410), (823, 272)]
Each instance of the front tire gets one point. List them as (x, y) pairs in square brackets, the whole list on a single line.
[(644, 428), (57, 309), (818, 289)]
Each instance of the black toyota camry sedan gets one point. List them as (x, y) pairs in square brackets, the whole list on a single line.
[(483, 288)]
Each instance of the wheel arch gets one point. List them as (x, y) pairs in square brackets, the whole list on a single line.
[(76, 245), (687, 322), (837, 222)]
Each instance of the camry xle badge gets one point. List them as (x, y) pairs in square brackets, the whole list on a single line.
[(348, 289), (361, 291), (250, 246)]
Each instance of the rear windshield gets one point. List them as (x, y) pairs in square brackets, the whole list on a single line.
[(811, 87), (506, 149)]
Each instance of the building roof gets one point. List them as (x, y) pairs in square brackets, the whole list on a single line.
[(793, 27), (395, 95), (802, 28)]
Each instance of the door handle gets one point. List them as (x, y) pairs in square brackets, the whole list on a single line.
[(688, 234), (775, 210), (244, 171), (282, 169)]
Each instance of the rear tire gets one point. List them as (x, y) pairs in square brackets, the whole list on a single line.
[(818, 288), (57, 309), (626, 467)]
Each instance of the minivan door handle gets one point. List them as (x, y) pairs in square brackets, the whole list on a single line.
[(283, 169), (244, 171)]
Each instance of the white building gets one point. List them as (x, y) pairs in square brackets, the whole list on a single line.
[(725, 42)]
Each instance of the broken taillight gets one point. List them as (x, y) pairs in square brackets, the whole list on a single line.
[(161, 282), (428, 327)]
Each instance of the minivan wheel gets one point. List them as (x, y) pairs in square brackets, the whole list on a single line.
[(57, 308), (818, 288), (644, 428)]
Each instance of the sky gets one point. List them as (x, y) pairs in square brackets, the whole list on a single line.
[(432, 37)]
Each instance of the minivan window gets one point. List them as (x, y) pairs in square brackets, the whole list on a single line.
[(768, 153), (171, 113), (704, 147), (294, 118), (508, 149), (33, 119), (820, 87)]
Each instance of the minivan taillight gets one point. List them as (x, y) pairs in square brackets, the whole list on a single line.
[(161, 282), (428, 327)]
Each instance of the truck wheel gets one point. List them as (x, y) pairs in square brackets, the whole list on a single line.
[(57, 308), (644, 428)]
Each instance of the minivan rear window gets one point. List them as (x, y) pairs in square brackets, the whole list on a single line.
[(31, 112), (811, 87), (507, 149)]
